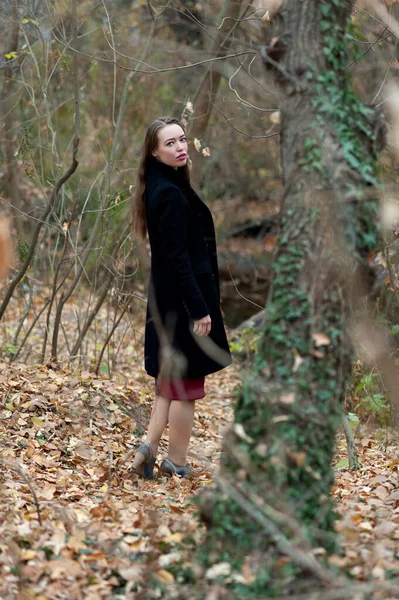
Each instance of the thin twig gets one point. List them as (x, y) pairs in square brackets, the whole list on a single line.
[(28, 482), (384, 16), (68, 293), (43, 217), (75, 68), (54, 291), (386, 73), (114, 74), (155, 70), (372, 44), (239, 293), (381, 13), (102, 294), (242, 100), (109, 336), (253, 137)]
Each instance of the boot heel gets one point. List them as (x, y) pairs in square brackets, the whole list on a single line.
[(169, 468), (144, 461)]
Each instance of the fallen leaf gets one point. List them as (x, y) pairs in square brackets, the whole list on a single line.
[(275, 117), (288, 398), (366, 526), (83, 452), (393, 498), (266, 17), (297, 361), (62, 567), (280, 419), (27, 554), (47, 493), (270, 243), (112, 406), (132, 573), (385, 528), (174, 538), (298, 457), (169, 559), (164, 576), (320, 339), (197, 144), (189, 107), (240, 432), (222, 569)]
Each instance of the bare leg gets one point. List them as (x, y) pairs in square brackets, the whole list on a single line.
[(181, 418), (158, 422)]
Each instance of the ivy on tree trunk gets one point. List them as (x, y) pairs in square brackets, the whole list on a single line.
[(272, 503)]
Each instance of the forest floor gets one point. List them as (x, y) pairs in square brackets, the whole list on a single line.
[(76, 524)]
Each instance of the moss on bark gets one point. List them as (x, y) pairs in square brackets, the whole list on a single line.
[(276, 469)]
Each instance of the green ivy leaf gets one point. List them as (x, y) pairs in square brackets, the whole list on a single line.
[(10, 348), (342, 464)]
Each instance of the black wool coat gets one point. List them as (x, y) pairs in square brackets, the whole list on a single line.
[(184, 283)]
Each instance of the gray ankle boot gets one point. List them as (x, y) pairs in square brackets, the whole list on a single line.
[(144, 461), (168, 467)]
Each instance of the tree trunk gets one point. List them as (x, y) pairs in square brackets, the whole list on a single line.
[(209, 85), (272, 502), (353, 459), (9, 96)]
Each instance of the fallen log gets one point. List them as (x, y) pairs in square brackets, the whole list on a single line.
[(255, 228), (255, 322), (245, 268)]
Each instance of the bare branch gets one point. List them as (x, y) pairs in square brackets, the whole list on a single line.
[(75, 69), (242, 100), (155, 69), (39, 225), (385, 18), (113, 46), (253, 137), (372, 44), (386, 73), (111, 333), (28, 482)]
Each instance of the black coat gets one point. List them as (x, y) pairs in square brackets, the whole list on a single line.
[(184, 283)]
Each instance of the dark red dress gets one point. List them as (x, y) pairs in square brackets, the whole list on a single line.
[(180, 389)]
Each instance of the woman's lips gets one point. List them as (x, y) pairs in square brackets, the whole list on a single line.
[(182, 156)]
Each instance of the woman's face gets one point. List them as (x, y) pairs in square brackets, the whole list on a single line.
[(172, 146)]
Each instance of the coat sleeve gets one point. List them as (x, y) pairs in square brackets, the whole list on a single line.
[(171, 212)]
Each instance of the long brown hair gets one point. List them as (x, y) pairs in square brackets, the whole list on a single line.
[(150, 144)]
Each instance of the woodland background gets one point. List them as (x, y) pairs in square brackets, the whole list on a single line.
[(81, 81)]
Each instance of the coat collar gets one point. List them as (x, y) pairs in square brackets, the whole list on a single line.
[(156, 169)]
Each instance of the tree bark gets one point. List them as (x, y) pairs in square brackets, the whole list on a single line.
[(8, 100), (353, 459), (278, 453), (210, 82)]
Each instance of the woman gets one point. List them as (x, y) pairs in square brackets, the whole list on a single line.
[(185, 338)]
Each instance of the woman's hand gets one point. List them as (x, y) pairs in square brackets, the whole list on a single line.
[(202, 326)]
